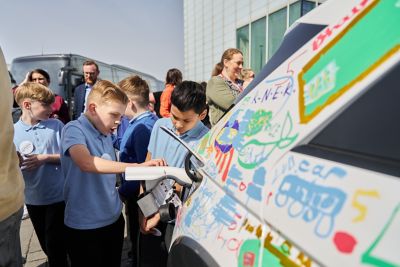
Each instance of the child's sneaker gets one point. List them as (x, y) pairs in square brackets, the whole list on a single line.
[(26, 214)]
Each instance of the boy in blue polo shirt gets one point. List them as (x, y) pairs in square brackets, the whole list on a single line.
[(95, 225), (37, 139), (188, 108), (133, 146)]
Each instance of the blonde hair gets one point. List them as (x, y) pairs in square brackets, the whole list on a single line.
[(105, 91), (137, 89), (34, 91), (246, 73)]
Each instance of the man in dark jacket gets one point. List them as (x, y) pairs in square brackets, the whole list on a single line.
[(90, 72)]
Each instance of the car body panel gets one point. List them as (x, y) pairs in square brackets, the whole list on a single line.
[(261, 204)]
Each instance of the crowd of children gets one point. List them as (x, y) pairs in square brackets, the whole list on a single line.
[(71, 171)]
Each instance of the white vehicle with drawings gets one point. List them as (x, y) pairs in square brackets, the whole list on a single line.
[(304, 169)]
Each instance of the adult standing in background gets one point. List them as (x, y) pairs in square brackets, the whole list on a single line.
[(247, 77), (225, 84), (11, 182), (174, 78), (59, 107), (90, 73)]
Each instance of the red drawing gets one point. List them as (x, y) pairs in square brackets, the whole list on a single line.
[(224, 148), (223, 161), (344, 242), (248, 259), (242, 186), (268, 197)]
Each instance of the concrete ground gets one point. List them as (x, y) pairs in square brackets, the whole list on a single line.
[(34, 255)]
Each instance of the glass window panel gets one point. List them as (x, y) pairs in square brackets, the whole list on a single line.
[(276, 30), (242, 43), (307, 7), (294, 12), (297, 10), (105, 72), (258, 30)]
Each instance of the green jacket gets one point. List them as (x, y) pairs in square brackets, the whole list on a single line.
[(219, 98)]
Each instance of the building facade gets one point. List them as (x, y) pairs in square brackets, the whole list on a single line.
[(256, 27)]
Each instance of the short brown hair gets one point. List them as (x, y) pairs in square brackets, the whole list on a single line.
[(137, 89), (90, 62), (34, 91), (105, 91)]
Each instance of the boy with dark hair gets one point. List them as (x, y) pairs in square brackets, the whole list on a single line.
[(133, 146), (95, 225), (188, 108), (37, 139)]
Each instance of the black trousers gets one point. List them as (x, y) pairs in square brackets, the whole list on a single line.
[(152, 249), (48, 222), (131, 209), (96, 247)]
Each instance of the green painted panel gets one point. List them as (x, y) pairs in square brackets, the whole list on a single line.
[(366, 43)]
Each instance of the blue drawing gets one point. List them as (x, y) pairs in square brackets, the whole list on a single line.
[(279, 89), (225, 137), (194, 209), (235, 173), (259, 176), (275, 89), (239, 141), (233, 179), (254, 189), (224, 211), (197, 220), (320, 170), (312, 202)]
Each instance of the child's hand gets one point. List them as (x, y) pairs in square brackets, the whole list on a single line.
[(33, 161), (155, 162), (147, 224)]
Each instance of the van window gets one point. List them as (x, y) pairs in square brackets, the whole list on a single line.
[(52, 65), (369, 129), (105, 72)]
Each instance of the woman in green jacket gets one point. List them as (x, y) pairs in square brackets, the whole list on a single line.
[(224, 85)]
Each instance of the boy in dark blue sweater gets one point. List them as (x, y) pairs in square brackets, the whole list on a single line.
[(133, 145)]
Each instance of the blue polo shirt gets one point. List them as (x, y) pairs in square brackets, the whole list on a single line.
[(117, 138), (91, 199), (162, 145), (133, 147), (44, 185)]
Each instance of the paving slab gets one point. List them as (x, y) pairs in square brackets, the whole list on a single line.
[(35, 257)]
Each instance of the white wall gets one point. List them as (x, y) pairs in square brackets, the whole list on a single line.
[(210, 28)]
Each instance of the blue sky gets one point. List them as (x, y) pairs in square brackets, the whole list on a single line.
[(145, 35)]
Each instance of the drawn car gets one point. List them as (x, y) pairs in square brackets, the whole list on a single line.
[(304, 169)]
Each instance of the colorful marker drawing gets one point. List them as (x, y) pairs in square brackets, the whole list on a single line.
[(255, 152), (362, 208), (311, 202), (378, 253), (343, 62)]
